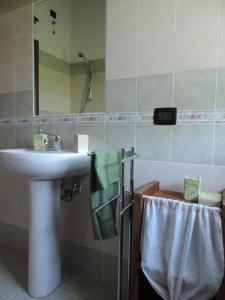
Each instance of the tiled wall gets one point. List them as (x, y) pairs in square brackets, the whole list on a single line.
[(159, 53), (16, 68), (170, 53)]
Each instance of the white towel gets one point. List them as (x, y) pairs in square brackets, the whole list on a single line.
[(182, 249)]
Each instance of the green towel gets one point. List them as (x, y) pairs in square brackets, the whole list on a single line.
[(106, 175)]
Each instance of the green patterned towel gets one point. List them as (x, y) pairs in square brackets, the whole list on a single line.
[(106, 175)]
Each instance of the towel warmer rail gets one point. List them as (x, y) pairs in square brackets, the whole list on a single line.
[(128, 156)]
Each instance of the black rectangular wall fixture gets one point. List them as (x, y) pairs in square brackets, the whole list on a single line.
[(165, 116)]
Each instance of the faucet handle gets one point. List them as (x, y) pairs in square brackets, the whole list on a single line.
[(58, 144), (57, 138)]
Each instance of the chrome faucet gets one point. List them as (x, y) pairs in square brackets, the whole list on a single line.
[(54, 142)]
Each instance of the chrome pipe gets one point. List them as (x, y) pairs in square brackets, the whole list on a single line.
[(130, 220), (120, 233)]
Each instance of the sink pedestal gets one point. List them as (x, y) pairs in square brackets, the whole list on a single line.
[(45, 169), (44, 241)]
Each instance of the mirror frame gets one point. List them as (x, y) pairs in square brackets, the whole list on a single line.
[(36, 77)]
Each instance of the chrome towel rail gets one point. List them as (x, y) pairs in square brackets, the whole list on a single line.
[(128, 157)]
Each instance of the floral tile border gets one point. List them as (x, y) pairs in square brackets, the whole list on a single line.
[(195, 117), (94, 118), (144, 117), (111, 118), (183, 116), (220, 116)]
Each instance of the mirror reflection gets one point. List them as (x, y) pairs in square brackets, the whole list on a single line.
[(69, 55)]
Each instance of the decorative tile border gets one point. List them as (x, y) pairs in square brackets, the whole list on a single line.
[(95, 118), (195, 117), (144, 117), (111, 118), (220, 116), (183, 117)]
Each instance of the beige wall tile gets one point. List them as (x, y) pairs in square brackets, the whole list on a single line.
[(192, 143), (6, 52), (153, 142), (22, 21), (23, 77), (156, 54), (222, 36), (197, 14), (6, 79), (122, 24), (156, 17), (117, 3), (23, 49), (121, 60), (147, 170), (120, 135), (179, 171), (96, 135), (196, 49), (6, 26)]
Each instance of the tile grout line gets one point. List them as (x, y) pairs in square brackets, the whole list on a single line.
[(67, 293), (137, 74), (173, 88), (216, 83), (138, 46)]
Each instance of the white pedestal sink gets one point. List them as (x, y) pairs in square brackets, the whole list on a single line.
[(44, 170)]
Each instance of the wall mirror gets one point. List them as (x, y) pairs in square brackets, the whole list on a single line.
[(69, 55)]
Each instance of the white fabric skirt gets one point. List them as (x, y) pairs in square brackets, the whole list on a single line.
[(182, 249)]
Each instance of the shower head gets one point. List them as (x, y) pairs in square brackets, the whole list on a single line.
[(82, 55)]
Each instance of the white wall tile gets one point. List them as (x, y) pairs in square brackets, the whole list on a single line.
[(219, 145), (122, 24), (6, 79), (24, 136), (192, 143), (8, 138), (79, 230), (23, 49), (6, 52), (197, 14), (153, 142), (6, 27), (121, 60), (24, 77), (12, 211), (156, 54), (195, 89), (218, 175), (222, 36), (117, 3), (156, 17), (146, 171), (179, 171), (121, 94), (22, 21), (120, 136), (196, 49), (96, 135)]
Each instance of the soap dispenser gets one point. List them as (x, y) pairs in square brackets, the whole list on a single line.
[(39, 140)]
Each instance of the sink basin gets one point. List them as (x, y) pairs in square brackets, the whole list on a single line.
[(46, 165), (44, 171)]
